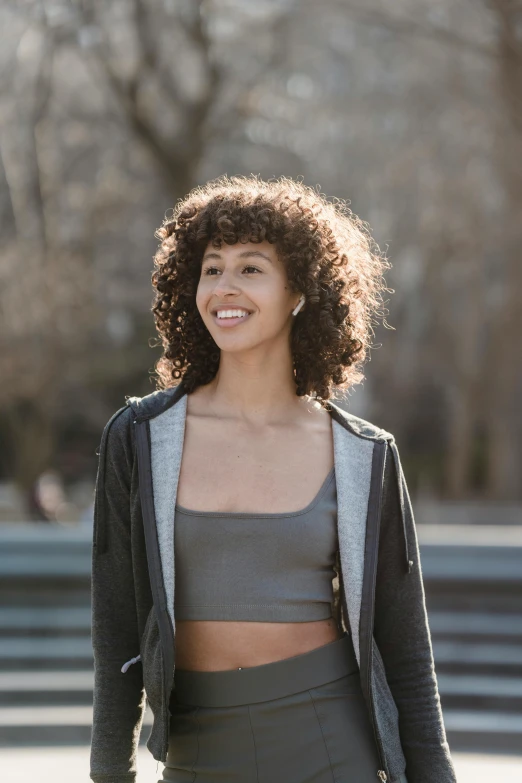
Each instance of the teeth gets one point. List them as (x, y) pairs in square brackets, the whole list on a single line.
[(231, 313)]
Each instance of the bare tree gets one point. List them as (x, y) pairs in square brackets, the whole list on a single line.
[(505, 355), (123, 107)]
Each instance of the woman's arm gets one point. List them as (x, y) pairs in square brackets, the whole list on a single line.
[(403, 637), (119, 700)]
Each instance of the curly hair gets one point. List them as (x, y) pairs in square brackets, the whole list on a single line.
[(328, 255)]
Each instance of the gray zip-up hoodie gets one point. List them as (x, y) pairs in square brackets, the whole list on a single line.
[(379, 593)]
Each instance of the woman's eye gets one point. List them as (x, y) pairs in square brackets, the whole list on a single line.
[(210, 269)]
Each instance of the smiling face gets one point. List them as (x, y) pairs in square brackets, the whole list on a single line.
[(251, 278)]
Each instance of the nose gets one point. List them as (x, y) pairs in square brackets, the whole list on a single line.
[(225, 285)]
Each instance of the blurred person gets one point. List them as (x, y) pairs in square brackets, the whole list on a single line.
[(256, 575), (48, 495)]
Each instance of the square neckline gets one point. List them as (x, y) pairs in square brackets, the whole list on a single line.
[(262, 515)]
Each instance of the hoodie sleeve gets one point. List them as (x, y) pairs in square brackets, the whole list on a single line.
[(402, 634), (119, 698)]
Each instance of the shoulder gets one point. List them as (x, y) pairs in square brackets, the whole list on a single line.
[(119, 422), (359, 426), (117, 441), (154, 403), (139, 408), (118, 432)]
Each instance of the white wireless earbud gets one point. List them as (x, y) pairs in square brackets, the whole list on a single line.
[(299, 305)]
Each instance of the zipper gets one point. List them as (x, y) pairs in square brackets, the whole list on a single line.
[(374, 516), (166, 630)]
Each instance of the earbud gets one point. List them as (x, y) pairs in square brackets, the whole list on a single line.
[(299, 305)]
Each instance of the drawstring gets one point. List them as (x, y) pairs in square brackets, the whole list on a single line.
[(404, 506), (128, 664)]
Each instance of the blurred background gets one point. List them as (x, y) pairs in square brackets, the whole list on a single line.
[(110, 112)]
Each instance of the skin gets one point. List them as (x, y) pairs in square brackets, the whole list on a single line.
[(248, 442)]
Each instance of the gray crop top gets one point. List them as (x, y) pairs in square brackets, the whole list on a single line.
[(257, 567)]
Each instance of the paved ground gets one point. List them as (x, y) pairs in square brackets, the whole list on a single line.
[(63, 765)]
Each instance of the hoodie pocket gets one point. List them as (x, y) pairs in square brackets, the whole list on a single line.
[(152, 660)]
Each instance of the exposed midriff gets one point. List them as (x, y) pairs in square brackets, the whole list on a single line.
[(210, 645)]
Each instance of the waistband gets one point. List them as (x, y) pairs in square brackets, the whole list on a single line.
[(269, 681)]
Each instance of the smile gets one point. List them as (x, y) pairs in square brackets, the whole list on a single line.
[(228, 318)]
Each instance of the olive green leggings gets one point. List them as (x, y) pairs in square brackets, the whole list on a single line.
[(299, 720)]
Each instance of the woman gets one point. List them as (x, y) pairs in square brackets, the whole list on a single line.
[(256, 574)]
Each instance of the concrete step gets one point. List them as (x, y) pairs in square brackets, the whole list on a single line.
[(462, 685), (26, 565), (481, 693), (474, 624), (46, 725), (475, 720), (45, 716), (462, 657), (474, 729), (27, 652), (472, 565), (44, 618), (464, 536), (46, 681), (29, 553), (19, 689)]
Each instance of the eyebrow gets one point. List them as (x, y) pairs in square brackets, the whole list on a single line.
[(244, 254)]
